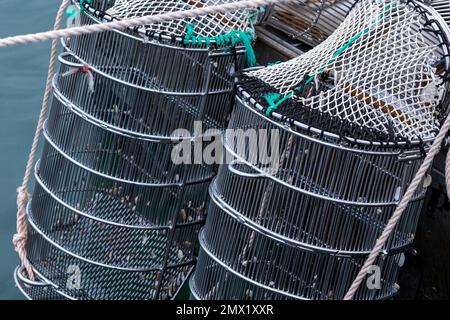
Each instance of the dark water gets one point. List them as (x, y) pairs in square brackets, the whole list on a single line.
[(23, 72)]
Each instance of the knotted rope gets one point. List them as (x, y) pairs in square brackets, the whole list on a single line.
[(140, 21), (19, 239), (381, 241), (84, 70)]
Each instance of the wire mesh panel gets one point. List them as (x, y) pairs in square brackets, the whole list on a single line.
[(115, 223), (279, 267), (308, 220), (116, 155), (317, 164), (213, 281), (144, 113), (83, 280), (39, 288), (309, 21), (377, 78), (349, 123)]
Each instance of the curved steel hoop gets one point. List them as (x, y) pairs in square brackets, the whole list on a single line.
[(34, 290), (116, 155), (81, 280), (166, 65), (309, 221), (145, 114), (318, 167)]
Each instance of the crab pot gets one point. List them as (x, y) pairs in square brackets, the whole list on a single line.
[(112, 216), (308, 220), (277, 266), (315, 168), (142, 112), (165, 62)]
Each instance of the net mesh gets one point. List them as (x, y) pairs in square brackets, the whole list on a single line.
[(206, 26), (378, 76)]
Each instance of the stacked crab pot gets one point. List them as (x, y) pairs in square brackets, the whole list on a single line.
[(112, 216), (350, 121)]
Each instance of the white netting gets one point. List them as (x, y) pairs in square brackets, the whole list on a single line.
[(206, 26), (378, 70)]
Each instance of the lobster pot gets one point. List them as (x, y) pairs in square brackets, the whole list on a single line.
[(142, 112), (310, 22), (160, 54), (279, 267), (307, 220), (319, 151)]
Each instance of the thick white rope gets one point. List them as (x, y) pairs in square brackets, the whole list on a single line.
[(20, 237), (381, 241), (129, 23), (447, 171)]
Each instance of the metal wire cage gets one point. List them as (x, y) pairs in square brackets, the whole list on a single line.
[(112, 217), (304, 222), (116, 207), (309, 21)]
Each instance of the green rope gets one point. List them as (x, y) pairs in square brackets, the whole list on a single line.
[(233, 38), (71, 11), (275, 103)]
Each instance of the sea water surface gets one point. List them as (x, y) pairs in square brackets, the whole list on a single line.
[(23, 71)]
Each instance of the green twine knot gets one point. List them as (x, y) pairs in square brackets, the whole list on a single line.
[(72, 12), (275, 100), (233, 38)]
